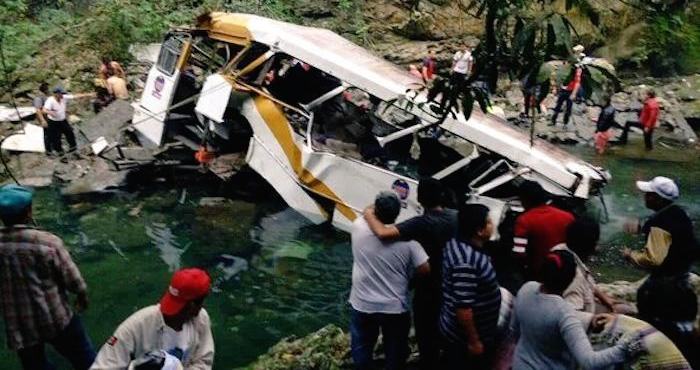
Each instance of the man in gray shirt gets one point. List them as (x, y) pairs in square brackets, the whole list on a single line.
[(379, 297)]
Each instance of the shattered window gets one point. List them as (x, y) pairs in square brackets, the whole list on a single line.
[(169, 54)]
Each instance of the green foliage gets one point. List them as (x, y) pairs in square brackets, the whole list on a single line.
[(672, 42)]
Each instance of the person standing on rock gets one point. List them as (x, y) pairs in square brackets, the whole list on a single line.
[(177, 331), (55, 108), (538, 229), (647, 120), (567, 94), (38, 103), (605, 122), (666, 300), (432, 230), (471, 295), (462, 65), (379, 297), (37, 276)]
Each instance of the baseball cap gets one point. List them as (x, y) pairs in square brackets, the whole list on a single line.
[(14, 199), (185, 286), (59, 90), (662, 186), (578, 48)]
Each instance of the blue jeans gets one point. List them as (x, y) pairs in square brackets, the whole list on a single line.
[(364, 331), (72, 343)]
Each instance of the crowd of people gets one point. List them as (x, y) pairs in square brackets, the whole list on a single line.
[(464, 318), (462, 315)]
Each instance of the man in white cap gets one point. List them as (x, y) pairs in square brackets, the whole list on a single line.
[(666, 299)]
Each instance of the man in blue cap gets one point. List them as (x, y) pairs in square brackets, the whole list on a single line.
[(38, 273)]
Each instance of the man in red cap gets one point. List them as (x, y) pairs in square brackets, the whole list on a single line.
[(178, 326)]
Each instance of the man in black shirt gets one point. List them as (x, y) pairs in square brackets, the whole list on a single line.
[(606, 120), (432, 230), (666, 299)]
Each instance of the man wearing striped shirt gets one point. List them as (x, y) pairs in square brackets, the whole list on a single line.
[(471, 295)]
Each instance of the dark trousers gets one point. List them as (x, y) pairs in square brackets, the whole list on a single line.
[(426, 313), (563, 97), (47, 141), (667, 301), (56, 129), (364, 331), (72, 343), (647, 135), (456, 357)]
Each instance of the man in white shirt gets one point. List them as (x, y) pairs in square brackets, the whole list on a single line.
[(178, 326), (379, 296), (462, 62), (57, 125)]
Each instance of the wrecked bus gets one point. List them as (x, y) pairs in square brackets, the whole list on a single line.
[(328, 124)]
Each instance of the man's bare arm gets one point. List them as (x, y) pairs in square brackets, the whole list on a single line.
[(382, 231), (465, 318), (423, 270)]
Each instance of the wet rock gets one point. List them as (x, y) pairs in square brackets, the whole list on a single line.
[(421, 26), (218, 224), (313, 9)]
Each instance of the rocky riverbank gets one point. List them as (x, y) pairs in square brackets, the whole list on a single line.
[(679, 99), (329, 347)]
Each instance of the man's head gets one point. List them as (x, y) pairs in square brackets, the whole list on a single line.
[(532, 194), (185, 296), (651, 93), (607, 100), (474, 222), (15, 205), (58, 92), (431, 51), (430, 193), (44, 87), (578, 49), (558, 271), (659, 192), (387, 207), (582, 237)]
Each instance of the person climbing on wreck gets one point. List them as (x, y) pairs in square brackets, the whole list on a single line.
[(176, 331), (432, 230)]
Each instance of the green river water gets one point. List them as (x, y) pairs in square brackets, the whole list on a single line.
[(274, 274)]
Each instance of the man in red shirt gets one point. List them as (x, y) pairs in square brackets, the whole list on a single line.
[(567, 94), (647, 120), (429, 68), (538, 229)]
